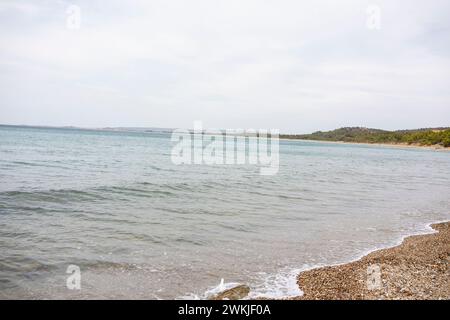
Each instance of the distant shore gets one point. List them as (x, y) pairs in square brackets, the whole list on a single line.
[(416, 269), (438, 137), (392, 145)]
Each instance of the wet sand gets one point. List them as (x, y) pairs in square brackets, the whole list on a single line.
[(416, 269)]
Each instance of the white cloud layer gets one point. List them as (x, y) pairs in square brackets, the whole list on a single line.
[(297, 66)]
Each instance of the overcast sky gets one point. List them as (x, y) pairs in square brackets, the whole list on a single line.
[(297, 66)]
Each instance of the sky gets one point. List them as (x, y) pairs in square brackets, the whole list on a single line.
[(297, 66)]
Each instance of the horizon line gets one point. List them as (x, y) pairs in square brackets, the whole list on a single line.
[(125, 128)]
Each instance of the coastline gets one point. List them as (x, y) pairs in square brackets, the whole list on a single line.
[(388, 145), (418, 268)]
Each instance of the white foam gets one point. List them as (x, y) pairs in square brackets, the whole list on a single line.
[(222, 286), (282, 284)]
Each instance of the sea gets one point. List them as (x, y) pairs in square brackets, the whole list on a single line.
[(106, 214)]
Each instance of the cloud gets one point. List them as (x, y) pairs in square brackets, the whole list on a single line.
[(296, 66)]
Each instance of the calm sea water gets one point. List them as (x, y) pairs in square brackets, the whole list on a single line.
[(139, 226)]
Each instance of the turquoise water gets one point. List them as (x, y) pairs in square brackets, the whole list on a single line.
[(139, 226)]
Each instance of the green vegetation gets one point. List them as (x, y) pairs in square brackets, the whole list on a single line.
[(422, 137)]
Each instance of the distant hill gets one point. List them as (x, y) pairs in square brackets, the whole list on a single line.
[(422, 137)]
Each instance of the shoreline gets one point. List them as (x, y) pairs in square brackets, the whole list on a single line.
[(389, 145), (417, 268)]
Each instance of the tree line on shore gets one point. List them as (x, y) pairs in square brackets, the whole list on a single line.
[(423, 137)]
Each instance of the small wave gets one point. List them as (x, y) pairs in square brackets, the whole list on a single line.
[(282, 284), (24, 264), (57, 196), (76, 195), (211, 292), (271, 286), (34, 164), (190, 241), (282, 196), (135, 192)]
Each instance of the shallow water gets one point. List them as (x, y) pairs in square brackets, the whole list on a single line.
[(139, 226)]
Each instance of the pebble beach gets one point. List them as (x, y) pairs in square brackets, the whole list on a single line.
[(416, 269)]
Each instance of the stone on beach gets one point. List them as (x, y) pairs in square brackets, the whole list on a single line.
[(235, 293)]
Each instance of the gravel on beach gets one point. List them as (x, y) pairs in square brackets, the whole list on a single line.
[(416, 269)]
